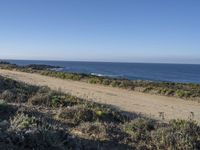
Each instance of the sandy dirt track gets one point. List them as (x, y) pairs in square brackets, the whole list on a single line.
[(126, 100)]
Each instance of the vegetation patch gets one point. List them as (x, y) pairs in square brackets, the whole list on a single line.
[(46, 119)]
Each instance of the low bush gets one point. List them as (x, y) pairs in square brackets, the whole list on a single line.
[(180, 93), (179, 134), (115, 83), (22, 121), (140, 128), (94, 130), (106, 82), (8, 95), (76, 115), (95, 81)]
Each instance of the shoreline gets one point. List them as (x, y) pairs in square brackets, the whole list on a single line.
[(66, 67), (187, 91)]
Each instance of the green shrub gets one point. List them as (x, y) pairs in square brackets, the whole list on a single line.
[(24, 133), (148, 89), (139, 129), (95, 81), (169, 92), (180, 134), (115, 83), (77, 115), (41, 99), (106, 82), (180, 93), (95, 130), (8, 96), (77, 77), (57, 101), (22, 121)]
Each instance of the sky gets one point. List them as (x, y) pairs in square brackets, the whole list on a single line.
[(101, 30)]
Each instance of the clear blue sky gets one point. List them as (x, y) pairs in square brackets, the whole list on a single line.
[(101, 30)]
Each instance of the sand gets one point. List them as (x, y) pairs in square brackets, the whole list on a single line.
[(130, 101)]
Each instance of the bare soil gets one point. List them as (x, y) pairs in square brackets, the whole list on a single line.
[(157, 107)]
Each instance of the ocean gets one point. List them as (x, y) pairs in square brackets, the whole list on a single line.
[(184, 73)]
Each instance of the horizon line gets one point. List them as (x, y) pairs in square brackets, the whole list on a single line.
[(90, 61)]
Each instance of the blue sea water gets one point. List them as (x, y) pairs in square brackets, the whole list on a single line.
[(185, 73)]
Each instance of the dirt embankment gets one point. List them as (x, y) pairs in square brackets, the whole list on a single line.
[(153, 105)]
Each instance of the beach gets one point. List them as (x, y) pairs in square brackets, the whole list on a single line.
[(125, 100)]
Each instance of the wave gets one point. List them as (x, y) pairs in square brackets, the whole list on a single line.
[(105, 75), (57, 69), (97, 74)]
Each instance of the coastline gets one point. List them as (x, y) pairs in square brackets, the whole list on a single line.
[(182, 73), (187, 91)]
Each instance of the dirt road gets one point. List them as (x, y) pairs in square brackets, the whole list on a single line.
[(126, 100)]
